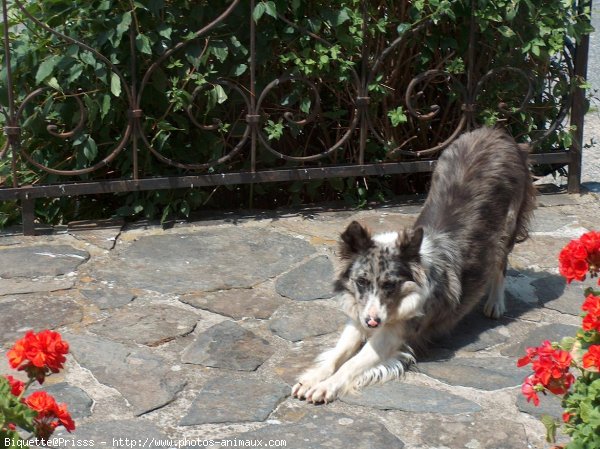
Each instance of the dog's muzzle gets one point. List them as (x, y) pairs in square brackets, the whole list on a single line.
[(373, 322)]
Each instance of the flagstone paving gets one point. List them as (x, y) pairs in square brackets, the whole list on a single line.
[(196, 333)]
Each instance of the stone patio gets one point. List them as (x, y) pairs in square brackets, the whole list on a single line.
[(197, 332)]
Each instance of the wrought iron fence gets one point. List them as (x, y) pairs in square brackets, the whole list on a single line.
[(435, 106)]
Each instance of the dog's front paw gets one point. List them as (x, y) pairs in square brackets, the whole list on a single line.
[(326, 391), (307, 381)]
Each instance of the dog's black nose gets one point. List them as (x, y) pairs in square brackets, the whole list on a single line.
[(373, 322)]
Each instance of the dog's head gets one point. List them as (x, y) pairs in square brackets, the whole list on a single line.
[(383, 279)]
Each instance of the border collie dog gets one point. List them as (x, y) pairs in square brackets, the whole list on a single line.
[(402, 289)]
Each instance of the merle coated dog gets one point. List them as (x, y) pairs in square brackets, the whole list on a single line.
[(402, 289)]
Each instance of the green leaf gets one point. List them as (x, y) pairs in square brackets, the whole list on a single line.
[(506, 31), (271, 9), (75, 72), (305, 104), (53, 83), (397, 116), (221, 95), (185, 208), (240, 69), (337, 18), (403, 28), (274, 130), (585, 410), (105, 106), (142, 43), (194, 54), (88, 58), (259, 10), (122, 27), (46, 68), (220, 50), (115, 84), (90, 149), (164, 31), (551, 426), (165, 214)]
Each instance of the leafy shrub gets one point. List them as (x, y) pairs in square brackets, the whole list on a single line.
[(195, 100)]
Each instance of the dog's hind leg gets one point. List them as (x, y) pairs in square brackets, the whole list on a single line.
[(328, 362), (495, 303)]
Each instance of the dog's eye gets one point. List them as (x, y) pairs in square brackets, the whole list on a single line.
[(388, 285), (362, 282)]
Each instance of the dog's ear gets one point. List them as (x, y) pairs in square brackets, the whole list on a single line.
[(355, 240), (409, 242)]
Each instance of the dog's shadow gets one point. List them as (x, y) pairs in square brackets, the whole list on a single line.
[(527, 292)]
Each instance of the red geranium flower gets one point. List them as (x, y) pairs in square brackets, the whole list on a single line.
[(591, 322), (16, 386), (592, 357), (50, 414), (580, 256), (551, 370), (37, 353), (529, 390), (591, 242), (572, 268), (591, 305)]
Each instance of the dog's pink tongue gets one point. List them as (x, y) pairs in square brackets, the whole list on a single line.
[(373, 323)]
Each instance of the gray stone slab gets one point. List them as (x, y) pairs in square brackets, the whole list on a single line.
[(539, 252), (101, 233), (7, 239), (555, 199), (237, 303), (115, 434), (546, 219), (309, 281), (473, 434), (474, 333), (214, 259), (327, 430), (228, 345), (411, 398), (36, 311), (549, 405), (517, 308), (143, 378), (554, 293), (297, 321), (484, 373), (551, 332), (233, 400), (40, 260), (79, 404), (299, 359), (15, 286), (146, 324), (107, 298)]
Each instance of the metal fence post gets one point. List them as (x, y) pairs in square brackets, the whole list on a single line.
[(578, 109)]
